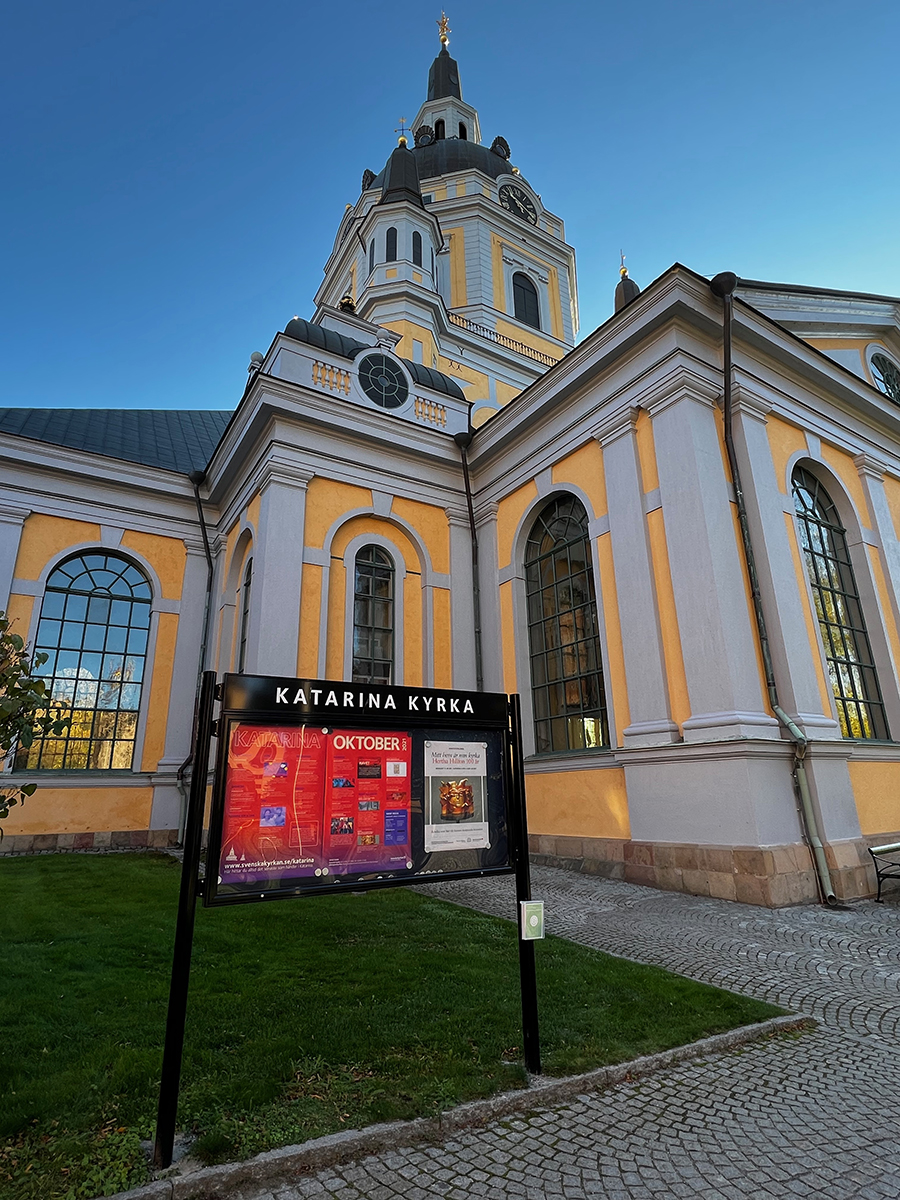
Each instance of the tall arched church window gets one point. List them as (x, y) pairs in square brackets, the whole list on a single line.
[(525, 300), (439, 133), (463, 132), (842, 625), (95, 619), (566, 672), (373, 617), (245, 615), (390, 250), (417, 248), (371, 256)]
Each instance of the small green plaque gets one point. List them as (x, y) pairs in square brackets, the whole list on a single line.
[(532, 920)]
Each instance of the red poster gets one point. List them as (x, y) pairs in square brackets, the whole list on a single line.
[(367, 826), (272, 823), (304, 801)]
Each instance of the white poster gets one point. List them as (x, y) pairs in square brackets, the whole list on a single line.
[(456, 796)]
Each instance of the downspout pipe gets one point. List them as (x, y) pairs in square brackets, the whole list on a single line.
[(723, 286), (464, 440), (196, 478)]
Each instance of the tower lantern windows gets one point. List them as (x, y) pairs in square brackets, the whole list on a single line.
[(417, 248), (439, 131), (525, 301), (390, 251), (371, 256), (463, 132)]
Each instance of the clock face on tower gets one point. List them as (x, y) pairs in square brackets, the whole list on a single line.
[(518, 202)]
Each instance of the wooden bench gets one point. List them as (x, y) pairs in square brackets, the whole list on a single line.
[(887, 864)]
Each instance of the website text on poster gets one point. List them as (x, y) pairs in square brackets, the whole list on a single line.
[(306, 801)]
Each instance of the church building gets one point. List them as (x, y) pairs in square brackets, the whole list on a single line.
[(677, 539)]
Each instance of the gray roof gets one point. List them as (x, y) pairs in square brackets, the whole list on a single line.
[(455, 154), (165, 438)]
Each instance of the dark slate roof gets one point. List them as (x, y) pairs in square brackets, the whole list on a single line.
[(324, 339), (455, 154), (428, 377), (443, 77), (401, 180), (165, 438)]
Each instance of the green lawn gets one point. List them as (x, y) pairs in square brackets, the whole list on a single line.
[(304, 1017)]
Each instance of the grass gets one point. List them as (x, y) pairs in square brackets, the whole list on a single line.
[(303, 1018)]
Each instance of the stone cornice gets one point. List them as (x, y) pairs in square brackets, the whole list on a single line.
[(870, 467), (616, 425)]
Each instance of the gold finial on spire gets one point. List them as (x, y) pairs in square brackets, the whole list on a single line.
[(401, 129), (444, 25), (623, 270)]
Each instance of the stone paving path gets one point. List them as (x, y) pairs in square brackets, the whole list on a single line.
[(815, 1114)]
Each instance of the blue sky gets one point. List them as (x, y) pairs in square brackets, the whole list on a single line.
[(175, 172)]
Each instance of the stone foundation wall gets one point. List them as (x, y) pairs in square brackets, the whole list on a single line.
[(127, 839), (771, 876)]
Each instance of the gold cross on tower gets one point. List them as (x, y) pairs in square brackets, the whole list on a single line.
[(444, 25)]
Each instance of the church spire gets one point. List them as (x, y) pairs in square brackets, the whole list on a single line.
[(443, 78)]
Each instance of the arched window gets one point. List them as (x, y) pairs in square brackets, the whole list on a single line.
[(390, 252), (95, 618), (245, 615), (841, 621), (373, 617), (463, 132), (566, 672), (371, 256), (439, 131), (886, 376), (417, 248), (525, 300)]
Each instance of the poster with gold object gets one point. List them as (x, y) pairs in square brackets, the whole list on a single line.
[(456, 810)]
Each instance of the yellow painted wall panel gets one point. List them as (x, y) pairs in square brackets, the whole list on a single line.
[(443, 656), (430, 522), (160, 687), (366, 524), (480, 415), (534, 340), (456, 239), (505, 392), (892, 494), (508, 637), (784, 441), (584, 469), (334, 650), (679, 699), (326, 501), (475, 384), (646, 448), (509, 514), (19, 609), (616, 684), (497, 271), (812, 624), (44, 537), (413, 672), (166, 555), (578, 803), (82, 810), (310, 613), (876, 790), (845, 468), (253, 511)]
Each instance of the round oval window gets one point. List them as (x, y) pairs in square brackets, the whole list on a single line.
[(383, 381)]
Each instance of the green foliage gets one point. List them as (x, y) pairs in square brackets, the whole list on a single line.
[(304, 1017), (25, 709)]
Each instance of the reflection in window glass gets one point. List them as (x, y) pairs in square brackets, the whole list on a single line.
[(94, 624), (525, 301), (841, 623), (373, 617), (245, 615), (566, 672)]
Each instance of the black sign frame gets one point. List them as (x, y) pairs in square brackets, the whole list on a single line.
[(267, 700)]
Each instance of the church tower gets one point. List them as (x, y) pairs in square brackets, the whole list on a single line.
[(451, 249)]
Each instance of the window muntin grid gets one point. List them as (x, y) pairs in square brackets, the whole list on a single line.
[(842, 625), (373, 617), (245, 615), (568, 694), (886, 376), (94, 624), (525, 301)]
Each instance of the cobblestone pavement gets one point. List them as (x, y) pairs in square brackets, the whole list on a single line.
[(815, 1114)]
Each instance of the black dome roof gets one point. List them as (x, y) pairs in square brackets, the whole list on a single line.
[(454, 154)]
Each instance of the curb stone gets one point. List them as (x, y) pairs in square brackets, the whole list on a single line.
[(274, 1167)]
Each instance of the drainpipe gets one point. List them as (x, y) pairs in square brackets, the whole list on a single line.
[(464, 440), (723, 286), (196, 478)]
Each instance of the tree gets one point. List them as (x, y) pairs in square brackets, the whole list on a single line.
[(26, 711)]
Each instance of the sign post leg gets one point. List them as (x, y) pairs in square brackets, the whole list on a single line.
[(184, 930), (519, 829)]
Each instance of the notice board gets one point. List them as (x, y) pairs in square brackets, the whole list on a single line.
[(320, 785)]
